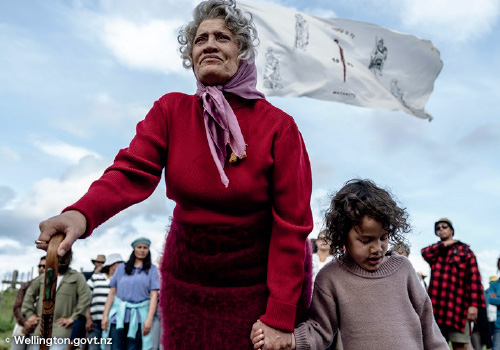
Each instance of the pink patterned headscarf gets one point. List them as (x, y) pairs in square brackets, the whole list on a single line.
[(221, 124)]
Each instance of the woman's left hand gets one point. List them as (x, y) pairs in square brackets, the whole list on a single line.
[(274, 339), (146, 327)]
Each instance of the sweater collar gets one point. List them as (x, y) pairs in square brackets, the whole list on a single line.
[(387, 268)]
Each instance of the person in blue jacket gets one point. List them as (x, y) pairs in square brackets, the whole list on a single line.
[(494, 299)]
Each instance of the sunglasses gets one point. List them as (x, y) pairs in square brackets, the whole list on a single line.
[(41, 266), (442, 226)]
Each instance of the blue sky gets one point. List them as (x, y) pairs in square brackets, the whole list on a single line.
[(76, 76)]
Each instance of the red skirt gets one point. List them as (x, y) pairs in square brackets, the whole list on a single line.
[(214, 285)]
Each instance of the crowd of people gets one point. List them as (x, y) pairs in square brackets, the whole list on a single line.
[(119, 299), (117, 302), (237, 269)]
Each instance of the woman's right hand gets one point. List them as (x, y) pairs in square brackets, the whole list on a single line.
[(104, 323), (72, 223)]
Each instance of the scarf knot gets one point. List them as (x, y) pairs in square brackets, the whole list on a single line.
[(221, 125)]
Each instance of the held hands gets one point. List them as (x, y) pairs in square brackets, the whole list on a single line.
[(267, 338), (72, 223)]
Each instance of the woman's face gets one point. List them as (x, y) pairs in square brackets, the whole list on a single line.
[(215, 52), (141, 251), (112, 268), (321, 243)]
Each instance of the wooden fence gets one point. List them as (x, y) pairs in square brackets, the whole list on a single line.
[(14, 279)]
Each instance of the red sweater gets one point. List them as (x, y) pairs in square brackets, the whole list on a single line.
[(274, 180)]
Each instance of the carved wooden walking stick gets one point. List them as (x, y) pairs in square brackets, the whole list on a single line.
[(49, 289)]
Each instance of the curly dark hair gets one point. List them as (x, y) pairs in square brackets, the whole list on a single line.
[(357, 199)]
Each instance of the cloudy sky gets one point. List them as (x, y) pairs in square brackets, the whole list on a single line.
[(76, 76)]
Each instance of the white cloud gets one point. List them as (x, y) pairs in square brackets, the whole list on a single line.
[(8, 155), (65, 151), (49, 196), (23, 60), (103, 112), (8, 242), (320, 201), (320, 12), (19, 257), (151, 45), (7, 194), (453, 20)]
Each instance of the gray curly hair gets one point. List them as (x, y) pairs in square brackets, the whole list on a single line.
[(239, 23)]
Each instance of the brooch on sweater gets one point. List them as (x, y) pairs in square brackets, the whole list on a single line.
[(234, 159)]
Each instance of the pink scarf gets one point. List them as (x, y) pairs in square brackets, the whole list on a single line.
[(221, 124)]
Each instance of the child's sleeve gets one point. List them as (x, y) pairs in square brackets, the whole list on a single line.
[(318, 331), (431, 335)]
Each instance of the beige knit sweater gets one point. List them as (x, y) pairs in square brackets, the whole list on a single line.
[(384, 309)]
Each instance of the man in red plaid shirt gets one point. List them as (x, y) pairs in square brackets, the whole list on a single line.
[(455, 287)]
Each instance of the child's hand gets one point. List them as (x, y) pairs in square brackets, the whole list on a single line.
[(257, 338)]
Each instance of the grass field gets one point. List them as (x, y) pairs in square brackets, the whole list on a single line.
[(7, 322)]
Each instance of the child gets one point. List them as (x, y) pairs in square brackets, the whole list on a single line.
[(375, 300)]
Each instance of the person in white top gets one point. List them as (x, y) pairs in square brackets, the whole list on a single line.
[(322, 255)]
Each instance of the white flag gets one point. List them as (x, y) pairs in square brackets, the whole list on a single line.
[(342, 60)]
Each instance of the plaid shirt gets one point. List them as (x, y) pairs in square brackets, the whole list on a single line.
[(455, 283)]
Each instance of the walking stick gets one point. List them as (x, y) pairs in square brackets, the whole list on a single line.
[(49, 289)]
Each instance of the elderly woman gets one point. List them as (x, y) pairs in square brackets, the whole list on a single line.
[(239, 173)]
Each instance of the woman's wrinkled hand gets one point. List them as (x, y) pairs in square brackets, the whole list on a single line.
[(72, 223), (273, 339)]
